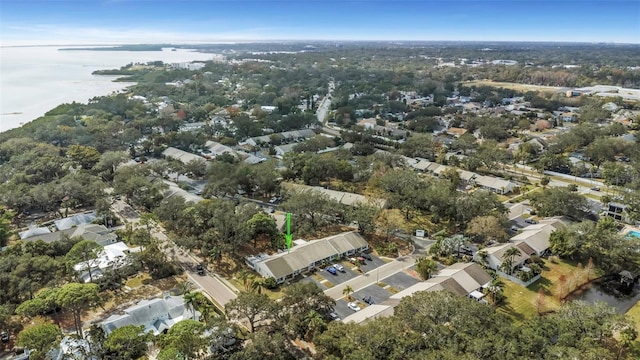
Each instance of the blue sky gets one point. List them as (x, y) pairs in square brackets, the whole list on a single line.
[(197, 21)]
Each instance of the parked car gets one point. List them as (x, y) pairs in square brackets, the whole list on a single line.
[(515, 228), (333, 316), (200, 269), (366, 256), (368, 300), (339, 267), (4, 337), (353, 306), (332, 270), (361, 259), (352, 260), (530, 221), (595, 188)]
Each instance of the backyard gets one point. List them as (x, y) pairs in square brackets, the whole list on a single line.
[(522, 303)]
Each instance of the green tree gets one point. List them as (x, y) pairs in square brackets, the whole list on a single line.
[(311, 207), (187, 337), (78, 298), (560, 201), (127, 342), (108, 164), (255, 308), (494, 290), (6, 217), (509, 256), (364, 215), (420, 145), (87, 252), (40, 339), (487, 228), (425, 267), (85, 156), (263, 345), (262, 225)]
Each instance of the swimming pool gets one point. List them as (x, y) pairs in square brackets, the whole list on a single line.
[(634, 233)]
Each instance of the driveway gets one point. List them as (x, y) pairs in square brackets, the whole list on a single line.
[(400, 281)]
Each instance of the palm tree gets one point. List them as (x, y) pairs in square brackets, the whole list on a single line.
[(426, 267), (347, 291), (190, 300), (247, 279), (483, 255), (509, 256), (257, 284), (184, 287), (315, 324), (494, 289)]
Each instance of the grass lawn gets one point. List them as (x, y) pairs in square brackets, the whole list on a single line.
[(520, 302), (138, 280), (515, 86), (272, 294), (634, 314)]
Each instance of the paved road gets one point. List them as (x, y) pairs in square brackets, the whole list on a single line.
[(371, 277), (218, 289)]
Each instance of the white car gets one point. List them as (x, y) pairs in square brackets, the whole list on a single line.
[(353, 306), (339, 267)]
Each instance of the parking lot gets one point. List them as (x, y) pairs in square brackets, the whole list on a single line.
[(400, 281), (349, 274), (378, 294)]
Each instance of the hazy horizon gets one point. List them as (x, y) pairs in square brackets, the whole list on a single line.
[(118, 22)]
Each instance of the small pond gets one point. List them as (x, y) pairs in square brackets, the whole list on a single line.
[(611, 292)]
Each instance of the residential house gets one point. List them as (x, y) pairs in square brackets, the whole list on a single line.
[(619, 212), (287, 136), (342, 197), (469, 276), (110, 256), (305, 256), (98, 233), (75, 220), (457, 132), (367, 124), (155, 316), (34, 232), (494, 184), (462, 279), (181, 155), (495, 255), (537, 235), (217, 149)]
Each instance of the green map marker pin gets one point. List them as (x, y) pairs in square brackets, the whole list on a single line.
[(288, 236)]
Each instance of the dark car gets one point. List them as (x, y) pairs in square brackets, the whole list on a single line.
[(333, 316), (367, 256), (4, 337), (200, 269), (595, 189), (368, 300), (530, 221), (332, 270)]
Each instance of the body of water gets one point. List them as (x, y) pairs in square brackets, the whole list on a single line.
[(622, 302), (33, 80), (634, 233)]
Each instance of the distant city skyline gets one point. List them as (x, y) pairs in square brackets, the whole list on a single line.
[(75, 22)]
